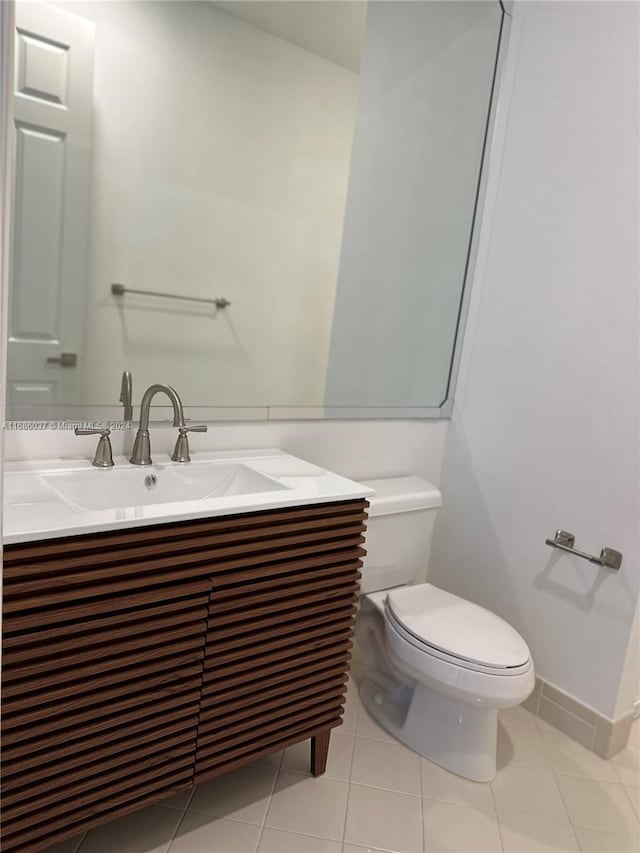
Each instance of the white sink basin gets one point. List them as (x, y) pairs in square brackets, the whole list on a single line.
[(44, 499), (143, 486)]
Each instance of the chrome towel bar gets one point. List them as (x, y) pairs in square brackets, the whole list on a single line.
[(564, 541), (120, 290)]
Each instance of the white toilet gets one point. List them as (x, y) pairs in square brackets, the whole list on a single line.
[(435, 668)]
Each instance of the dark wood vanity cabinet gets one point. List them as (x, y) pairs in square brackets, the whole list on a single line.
[(140, 661), (279, 634)]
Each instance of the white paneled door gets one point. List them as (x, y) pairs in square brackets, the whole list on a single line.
[(51, 191)]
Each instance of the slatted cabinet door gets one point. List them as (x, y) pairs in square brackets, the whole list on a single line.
[(279, 635), (102, 673), (139, 661)]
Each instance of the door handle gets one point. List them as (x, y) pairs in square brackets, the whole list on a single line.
[(65, 359)]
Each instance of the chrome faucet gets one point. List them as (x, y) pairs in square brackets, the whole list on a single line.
[(141, 453), (126, 397)]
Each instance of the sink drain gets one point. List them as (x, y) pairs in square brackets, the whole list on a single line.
[(151, 481)]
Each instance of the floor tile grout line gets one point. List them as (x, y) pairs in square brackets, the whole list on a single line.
[(215, 817), (510, 813), (566, 808), (575, 837), (353, 755), (380, 739), (276, 776), (589, 778), (495, 811), (309, 835), (535, 817), (545, 750), (555, 775), (297, 832), (76, 849), (627, 790), (616, 771), (181, 819), (474, 808), (391, 790), (618, 835)]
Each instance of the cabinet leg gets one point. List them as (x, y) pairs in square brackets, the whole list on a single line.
[(319, 752)]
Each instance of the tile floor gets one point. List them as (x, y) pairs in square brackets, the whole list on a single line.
[(550, 795)]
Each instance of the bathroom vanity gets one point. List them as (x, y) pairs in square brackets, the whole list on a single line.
[(153, 646)]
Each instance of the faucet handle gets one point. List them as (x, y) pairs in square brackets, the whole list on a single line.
[(181, 450), (104, 455)]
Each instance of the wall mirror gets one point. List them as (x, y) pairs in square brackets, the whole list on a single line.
[(268, 205)]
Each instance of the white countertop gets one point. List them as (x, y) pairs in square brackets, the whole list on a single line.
[(33, 510)]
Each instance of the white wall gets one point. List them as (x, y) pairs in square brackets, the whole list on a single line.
[(545, 432), (220, 157), (425, 89)]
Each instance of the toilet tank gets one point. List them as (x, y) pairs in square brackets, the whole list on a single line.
[(401, 516)]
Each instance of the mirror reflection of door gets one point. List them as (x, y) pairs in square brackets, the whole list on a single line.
[(51, 186)]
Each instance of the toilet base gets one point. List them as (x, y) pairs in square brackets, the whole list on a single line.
[(456, 735)]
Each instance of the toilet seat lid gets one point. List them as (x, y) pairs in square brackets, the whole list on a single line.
[(457, 627)]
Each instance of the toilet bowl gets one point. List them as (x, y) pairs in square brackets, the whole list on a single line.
[(435, 668)]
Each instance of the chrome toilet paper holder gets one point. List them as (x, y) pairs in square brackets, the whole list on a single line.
[(564, 541)]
